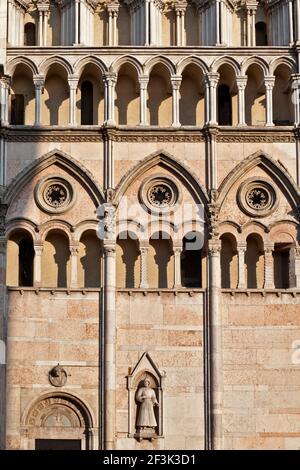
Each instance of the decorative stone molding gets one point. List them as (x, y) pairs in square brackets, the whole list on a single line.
[(54, 194)]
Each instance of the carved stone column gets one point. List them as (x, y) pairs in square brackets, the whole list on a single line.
[(107, 232), (213, 79), (144, 80), (37, 270), (38, 81), (5, 88), (269, 266), (110, 80), (180, 8), (296, 97), (176, 82), (241, 248), (73, 83), (297, 38), (291, 23), (144, 266), (177, 266), (269, 83), (77, 40), (74, 250), (113, 11), (241, 82), (216, 357)]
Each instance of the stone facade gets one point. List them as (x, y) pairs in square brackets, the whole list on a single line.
[(149, 223)]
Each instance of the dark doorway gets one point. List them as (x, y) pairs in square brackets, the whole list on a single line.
[(261, 34), (224, 106), (29, 35), (57, 444)]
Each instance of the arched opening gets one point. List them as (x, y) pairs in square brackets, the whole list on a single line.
[(56, 261), (90, 260), (160, 97), (29, 34), (22, 98), (254, 261), (261, 36), (59, 421), (20, 257), (127, 96), (54, 25), (56, 97), (283, 109), (227, 96), (127, 252), (87, 114), (160, 261), (229, 262), (191, 260), (90, 96), (123, 25), (191, 104), (281, 256), (255, 97)]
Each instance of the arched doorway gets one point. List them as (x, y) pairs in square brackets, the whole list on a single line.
[(58, 422)]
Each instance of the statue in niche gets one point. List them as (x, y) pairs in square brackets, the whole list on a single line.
[(146, 422)]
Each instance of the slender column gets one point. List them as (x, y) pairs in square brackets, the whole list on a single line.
[(38, 81), (177, 266), (107, 232), (110, 31), (37, 269), (147, 26), (143, 80), (291, 22), (296, 97), (222, 22), (77, 40), (215, 326), (115, 16), (253, 16), (74, 249), (73, 83), (182, 28), (110, 80), (5, 87), (218, 39), (40, 28), (248, 27), (207, 100), (242, 247), (176, 82), (144, 267), (241, 82), (269, 266), (295, 267), (269, 83), (45, 27), (297, 21), (178, 42), (213, 79)]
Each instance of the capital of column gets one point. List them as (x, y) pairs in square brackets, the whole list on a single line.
[(295, 81), (39, 81), (269, 82), (73, 81), (242, 247), (143, 81), (212, 78), (214, 248), (6, 81), (179, 6), (38, 248), (109, 248), (110, 78), (43, 7), (241, 82), (176, 81), (74, 250), (268, 248)]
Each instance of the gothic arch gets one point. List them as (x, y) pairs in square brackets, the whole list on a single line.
[(171, 163), (117, 64), (53, 60), (157, 61), (272, 166), (255, 60), (82, 63), (225, 61), (13, 63), (63, 160), (182, 64)]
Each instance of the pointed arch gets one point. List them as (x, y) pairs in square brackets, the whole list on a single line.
[(172, 164), (272, 166), (123, 60), (55, 60), (20, 60), (83, 62), (159, 60), (65, 161)]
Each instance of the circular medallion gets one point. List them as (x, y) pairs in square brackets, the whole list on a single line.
[(257, 197), (159, 194), (54, 195)]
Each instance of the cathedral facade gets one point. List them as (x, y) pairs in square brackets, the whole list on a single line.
[(149, 224)]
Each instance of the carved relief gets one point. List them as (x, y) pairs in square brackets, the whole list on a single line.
[(58, 376)]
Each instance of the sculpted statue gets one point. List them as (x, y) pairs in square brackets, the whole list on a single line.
[(146, 421)]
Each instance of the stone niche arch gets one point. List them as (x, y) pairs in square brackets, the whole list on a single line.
[(145, 368), (57, 417)]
